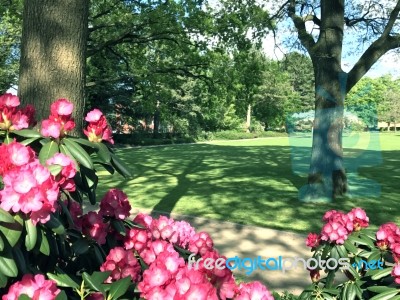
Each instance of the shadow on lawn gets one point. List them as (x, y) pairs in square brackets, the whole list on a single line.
[(248, 184)]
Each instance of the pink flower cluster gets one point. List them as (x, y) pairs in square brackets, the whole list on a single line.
[(168, 276), (388, 237), (12, 118), (14, 155), (98, 128), (122, 263), (28, 186), (60, 120), (338, 226), (68, 171), (115, 204), (36, 287)]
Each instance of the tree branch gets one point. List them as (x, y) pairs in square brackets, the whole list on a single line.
[(370, 56), (306, 39), (392, 19)]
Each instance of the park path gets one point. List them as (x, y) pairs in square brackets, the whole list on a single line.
[(232, 239)]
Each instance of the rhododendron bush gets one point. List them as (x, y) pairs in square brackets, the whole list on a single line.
[(345, 235), (51, 249)]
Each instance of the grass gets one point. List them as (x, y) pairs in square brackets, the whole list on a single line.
[(257, 181)]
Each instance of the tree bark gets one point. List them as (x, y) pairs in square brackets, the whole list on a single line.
[(52, 65), (327, 176)]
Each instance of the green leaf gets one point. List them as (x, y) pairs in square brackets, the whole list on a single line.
[(63, 280), (12, 232), (378, 274), (119, 288), (81, 246), (103, 153), (6, 216), (31, 235), (86, 143), (3, 280), (119, 166), (380, 289), (20, 260), (28, 141), (55, 225), (44, 243), (54, 169), (351, 291), (24, 297), (93, 282), (8, 265), (375, 255), (1, 243), (385, 295), (119, 226), (350, 247), (28, 133), (47, 151), (62, 296), (64, 150), (79, 153)]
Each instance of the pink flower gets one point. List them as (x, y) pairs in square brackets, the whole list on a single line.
[(31, 190), (359, 218), (76, 212), (122, 263), (65, 178), (201, 243), (163, 228), (137, 239), (9, 100), (98, 128), (115, 204), (153, 249), (144, 220), (313, 240), (337, 228), (93, 116), (36, 287), (51, 128), (387, 234), (14, 155), (396, 273), (184, 231), (253, 290), (93, 226), (395, 247), (12, 118), (62, 107), (60, 120)]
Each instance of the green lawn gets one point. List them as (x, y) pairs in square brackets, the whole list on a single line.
[(252, 181)]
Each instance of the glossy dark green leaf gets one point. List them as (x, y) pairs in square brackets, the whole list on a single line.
[(31, 235), (380, 273), (380, 289), (63, 280), (78, 153), (119, 288), (29, 141), (20, 260), (81, 246), (55, 169), (48, 151), (12, 231), (118, 225), (119, 166), (6, 216), (44, 243), (55, 225), (28, 133), (350, 247), (385, 295), (95, 282), (8, 265), (62, 296), (103, 153)]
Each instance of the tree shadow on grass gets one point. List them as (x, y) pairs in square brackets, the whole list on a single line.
[(246, 184)]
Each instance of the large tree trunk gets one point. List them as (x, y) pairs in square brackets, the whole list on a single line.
[(327, 177), (54, 37)]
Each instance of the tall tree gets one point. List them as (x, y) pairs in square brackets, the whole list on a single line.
[(52, 64), (375, 25)]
